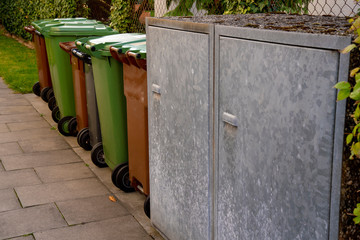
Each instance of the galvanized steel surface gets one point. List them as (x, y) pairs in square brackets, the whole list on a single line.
[(278, 131)]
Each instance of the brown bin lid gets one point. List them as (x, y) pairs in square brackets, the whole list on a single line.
[(67, 46), (30, 29)]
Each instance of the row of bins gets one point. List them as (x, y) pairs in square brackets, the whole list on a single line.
[(94, 80)]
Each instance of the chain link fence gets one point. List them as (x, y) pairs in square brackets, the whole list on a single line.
[(159, 8)]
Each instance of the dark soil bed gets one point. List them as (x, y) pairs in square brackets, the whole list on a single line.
[(283, 22), (350, 186)]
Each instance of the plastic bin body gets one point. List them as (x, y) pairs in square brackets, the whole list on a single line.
[(78, 76), (92, 109), (135, 89), (41, 58), (61, 75), (109, 87)]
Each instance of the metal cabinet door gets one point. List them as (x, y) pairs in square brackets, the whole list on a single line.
[(180, 125), (276, 129)]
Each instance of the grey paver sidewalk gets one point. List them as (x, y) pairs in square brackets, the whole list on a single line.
[(50, 189)]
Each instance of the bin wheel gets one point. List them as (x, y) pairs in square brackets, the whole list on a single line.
[(43, 94), (147, 206), (63, 125), (73, 127), (36, 89), (120, 178), (50, 93), (97, 155), (83, 139), (55, 114), (52, 103)]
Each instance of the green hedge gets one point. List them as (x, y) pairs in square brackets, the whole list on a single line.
[(15, 14)]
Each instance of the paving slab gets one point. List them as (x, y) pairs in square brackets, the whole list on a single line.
[(64, 172), (43, 144), (15, 109), (38, 159), (28, 220), (90, 209), (14, 101), (60, 191), (104, 174), (22, 117), (16, 178), (19, 126), (27, 135), (3, 128), (8, 200), (10, 149), (117, 228)]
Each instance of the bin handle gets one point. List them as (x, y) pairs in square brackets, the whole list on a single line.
[(230, 119), (156, 89), (134, 55)]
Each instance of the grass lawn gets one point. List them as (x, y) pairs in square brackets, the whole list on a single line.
[(17, 65)]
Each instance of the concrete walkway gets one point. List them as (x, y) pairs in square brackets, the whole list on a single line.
[(50, 189)]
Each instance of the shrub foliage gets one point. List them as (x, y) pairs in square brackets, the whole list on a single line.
[(15, 14)]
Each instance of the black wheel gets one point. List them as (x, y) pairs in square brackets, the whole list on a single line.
[(97, 155), (147, 206), (55, 114), (63, 125), (36, 89), (73, 127), (52, 103), (83, 139), (120, 178), (50, 93), (43, 94)]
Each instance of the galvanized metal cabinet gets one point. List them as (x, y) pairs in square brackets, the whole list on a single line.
[(180, 107), (245, 133), (276, 138)]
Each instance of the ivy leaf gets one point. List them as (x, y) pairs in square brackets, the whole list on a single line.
[(357, 112), (357, 40), (354, 95), (356, 211), (349, 138), (356, 220), (344, 93), (354, 71), (357, 77), (356, 149), (348, 48), (342, 85)]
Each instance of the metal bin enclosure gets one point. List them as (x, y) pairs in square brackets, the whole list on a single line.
[(253, 151)]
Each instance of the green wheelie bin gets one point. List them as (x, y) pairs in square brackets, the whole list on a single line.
[(60, 66), (109, 88)]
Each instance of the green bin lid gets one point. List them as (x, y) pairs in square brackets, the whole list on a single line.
[(138, 48), (99, 46), (40, 24), (77, 30)]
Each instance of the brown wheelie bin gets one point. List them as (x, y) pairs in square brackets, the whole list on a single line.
[(43, 87), (76, 124), (133, 57)]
